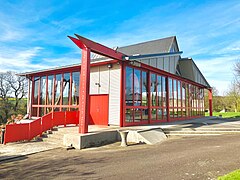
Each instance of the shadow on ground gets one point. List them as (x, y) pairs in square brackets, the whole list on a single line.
[(8, 159)]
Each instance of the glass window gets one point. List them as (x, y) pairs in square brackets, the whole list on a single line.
[(179, 94), (171, 112), (58, 89), (50, 89), (164, 113), (43, 90), (170, 82), (129, 115), (36, 86), (144, 89), (66, 88), (164, 91), (184, 99), (159, 90), (138, 115), (129, 86), (153, 89), (75, 87), (159, 114), (145, 114), (175, 93), (153, 114), (137, 87)]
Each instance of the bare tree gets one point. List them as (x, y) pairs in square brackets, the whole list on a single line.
[(13, 89), (237, 73), (18, 87)]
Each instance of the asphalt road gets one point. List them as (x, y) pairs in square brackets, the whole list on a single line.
[(183, 158)]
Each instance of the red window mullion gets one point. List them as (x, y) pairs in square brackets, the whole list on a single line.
[(133, 96), (46, 95), (32, 96), (39, 84), (181, 99), (61, 92), (141, 93), (70, 92), (167, 98), (176, 96), (149, 97), (53, 91)]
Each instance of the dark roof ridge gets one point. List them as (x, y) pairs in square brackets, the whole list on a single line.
[(170, 37)]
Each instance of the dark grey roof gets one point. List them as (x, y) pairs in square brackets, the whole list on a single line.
[(149, 47), (186, 66)]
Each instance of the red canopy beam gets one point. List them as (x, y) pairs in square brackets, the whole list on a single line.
[(87, 46), (101, 49)]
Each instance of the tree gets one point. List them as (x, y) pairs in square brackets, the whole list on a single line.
[(13, 89), (218, 102), (234, 96), (18, 86)]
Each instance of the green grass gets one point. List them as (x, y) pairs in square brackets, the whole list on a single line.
[(226, 114), (235, 175)]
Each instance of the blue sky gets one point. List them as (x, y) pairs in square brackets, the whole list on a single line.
[(33, 34)]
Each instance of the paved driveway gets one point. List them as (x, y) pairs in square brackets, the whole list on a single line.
[(183, 158)]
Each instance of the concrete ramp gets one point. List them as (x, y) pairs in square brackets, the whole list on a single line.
[(149, 136)]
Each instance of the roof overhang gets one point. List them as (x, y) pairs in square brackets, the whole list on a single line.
[(139, 56), (84, 43)]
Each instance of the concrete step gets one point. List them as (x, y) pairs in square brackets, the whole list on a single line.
[(54, 136), (202, 132), (201, 129), (190, 135), (150, 136)]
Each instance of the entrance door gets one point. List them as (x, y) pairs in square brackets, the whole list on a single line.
[(99, 109)]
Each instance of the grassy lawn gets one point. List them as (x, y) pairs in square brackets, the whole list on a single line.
[(226, 114), (235, 175)]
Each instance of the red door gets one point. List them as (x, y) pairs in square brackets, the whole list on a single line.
[(99, 109)]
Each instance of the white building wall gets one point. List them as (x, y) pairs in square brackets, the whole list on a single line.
[(109, 81), (94, 78), (104, 79), (114, 95)]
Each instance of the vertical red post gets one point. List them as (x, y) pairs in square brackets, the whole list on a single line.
[(84, 110), (149, 97), (32, 96), (210, 102), (122, 94), (167, 99)]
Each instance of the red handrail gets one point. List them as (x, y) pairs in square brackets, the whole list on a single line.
[(27, 131)]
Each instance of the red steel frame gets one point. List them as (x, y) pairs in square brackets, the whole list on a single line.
[(189, 108), (89, 46)]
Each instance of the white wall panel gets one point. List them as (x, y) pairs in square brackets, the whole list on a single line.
[(160, 63), (94, 78), (114, 95), (166, 64), (104, 79), (153, 62)]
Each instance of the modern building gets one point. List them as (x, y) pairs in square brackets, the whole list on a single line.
[(144, 83)]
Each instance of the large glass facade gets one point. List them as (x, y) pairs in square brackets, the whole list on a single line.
[(158, 97), (55, 92), (185, 100), (150, 96), (136, 96)]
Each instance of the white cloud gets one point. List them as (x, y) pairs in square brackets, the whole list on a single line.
[(20, 60), (218, 71)]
